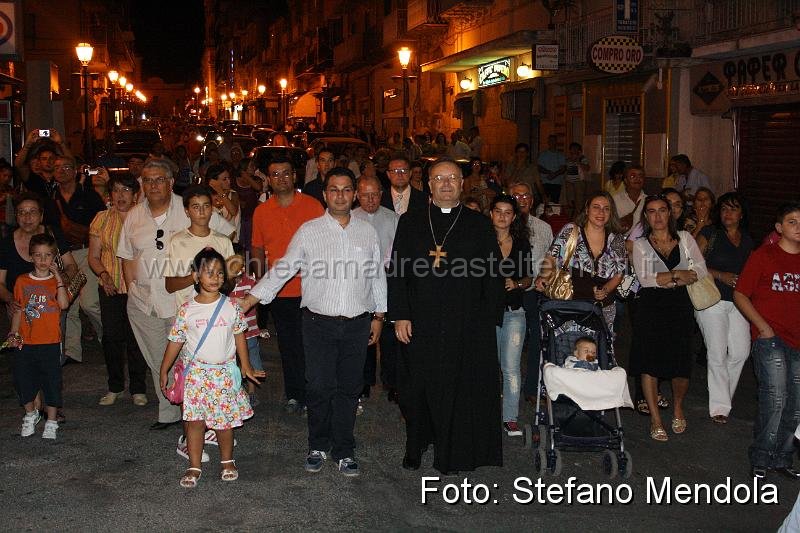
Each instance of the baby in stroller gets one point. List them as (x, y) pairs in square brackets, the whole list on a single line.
[(581, 389), (584, 356)]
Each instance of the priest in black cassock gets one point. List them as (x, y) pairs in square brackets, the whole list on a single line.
[(446, 300)]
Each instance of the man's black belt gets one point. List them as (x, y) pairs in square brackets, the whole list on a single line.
[(340, 318)]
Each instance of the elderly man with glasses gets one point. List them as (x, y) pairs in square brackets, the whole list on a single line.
[(77, 204), (143, 245)]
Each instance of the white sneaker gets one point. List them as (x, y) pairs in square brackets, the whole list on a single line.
[(29, 422), (50, 429), (360, 408), (140, 400), (210, 437), (183, 450), (109, 398)]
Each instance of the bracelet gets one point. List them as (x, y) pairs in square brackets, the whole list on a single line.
[(674, 276), (101, 273)]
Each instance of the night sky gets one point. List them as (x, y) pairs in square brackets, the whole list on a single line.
[(169, 37)]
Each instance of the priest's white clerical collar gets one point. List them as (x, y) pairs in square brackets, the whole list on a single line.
[(445, 210)]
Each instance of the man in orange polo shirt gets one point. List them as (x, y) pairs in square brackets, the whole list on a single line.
[(274, 224)]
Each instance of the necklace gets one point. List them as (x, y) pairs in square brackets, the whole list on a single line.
[(504, 239), (663, 248), (437, 254)]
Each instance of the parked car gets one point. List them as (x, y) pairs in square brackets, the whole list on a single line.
[(243, 129), (262, 135), (306, 138), (338, 145), (129, 141), (263, 155)]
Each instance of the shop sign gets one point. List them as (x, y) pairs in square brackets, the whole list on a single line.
[(747, 80), (495, 72), (10, 49), (545, 57), (627, 16), (616, 54)]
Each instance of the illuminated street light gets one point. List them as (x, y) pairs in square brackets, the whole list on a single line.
[(261, 90), (283, 84), (284, 112), (123, 81), (404, 55), (113, 76), (84, 52), (129, 87)]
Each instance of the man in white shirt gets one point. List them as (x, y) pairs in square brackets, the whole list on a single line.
[(629, 203), (689, 178), (385, 223), (344, 301), (143, 249), (541, 236)]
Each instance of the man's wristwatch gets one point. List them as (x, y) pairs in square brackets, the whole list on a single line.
[(379, 316)]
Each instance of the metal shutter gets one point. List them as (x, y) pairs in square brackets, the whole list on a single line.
[(769, 161)]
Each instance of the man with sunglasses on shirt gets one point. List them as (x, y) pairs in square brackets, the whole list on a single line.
[(143, 248)]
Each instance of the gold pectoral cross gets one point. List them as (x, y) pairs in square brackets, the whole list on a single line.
[(437, 254)]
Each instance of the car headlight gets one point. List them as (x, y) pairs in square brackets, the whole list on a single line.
[(200, 138)]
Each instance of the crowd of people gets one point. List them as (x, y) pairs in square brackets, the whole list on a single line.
[(372, 265)]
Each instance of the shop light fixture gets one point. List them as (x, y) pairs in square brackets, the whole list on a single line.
[(524, 71), (465, 84)]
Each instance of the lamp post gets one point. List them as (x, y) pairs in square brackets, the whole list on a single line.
[(122, 82), (404, 54), (129, 90), (84, 52), (223, 98), (284, 115), (196, 102), (113, 76)]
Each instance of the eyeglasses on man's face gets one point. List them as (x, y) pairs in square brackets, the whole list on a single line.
[(278, 174), (399, 171), (445, 178), (160, 180)]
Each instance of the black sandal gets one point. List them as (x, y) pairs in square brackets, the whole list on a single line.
[(663, 403), (642, 408)]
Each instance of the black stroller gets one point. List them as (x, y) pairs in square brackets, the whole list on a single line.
[(561, 424)]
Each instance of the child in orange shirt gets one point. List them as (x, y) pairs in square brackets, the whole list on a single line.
[(36, 331)]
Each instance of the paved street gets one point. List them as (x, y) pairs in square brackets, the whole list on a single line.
[(106, 471)]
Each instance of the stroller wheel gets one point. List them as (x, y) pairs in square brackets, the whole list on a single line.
[(542, 436), (625, 465), (527, 441), (610, 465), (555, 469), (540, 462)]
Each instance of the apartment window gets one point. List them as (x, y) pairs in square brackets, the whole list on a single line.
[(622, 136)]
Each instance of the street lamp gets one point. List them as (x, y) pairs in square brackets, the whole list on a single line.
[(84, 52), (284, 115), (129, 90), (404, 55), (261, 90), (113, 76)]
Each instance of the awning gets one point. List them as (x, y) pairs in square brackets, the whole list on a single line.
[(305, 106), (515, 44)]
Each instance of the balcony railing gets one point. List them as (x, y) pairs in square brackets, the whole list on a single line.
[(676, 25), (722, 19)]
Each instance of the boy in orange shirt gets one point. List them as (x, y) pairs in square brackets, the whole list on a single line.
[(36, 331)]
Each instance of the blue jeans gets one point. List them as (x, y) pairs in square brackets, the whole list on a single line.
[(778, 370), (510, 338)]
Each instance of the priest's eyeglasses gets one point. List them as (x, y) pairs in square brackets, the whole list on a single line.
[(445, 178)]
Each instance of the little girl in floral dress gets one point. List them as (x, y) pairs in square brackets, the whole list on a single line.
[(213, 397)]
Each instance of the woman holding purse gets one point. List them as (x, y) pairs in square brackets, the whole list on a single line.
[(592, 251), (664, 319)]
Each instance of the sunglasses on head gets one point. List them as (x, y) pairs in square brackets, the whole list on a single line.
[(159, 243)]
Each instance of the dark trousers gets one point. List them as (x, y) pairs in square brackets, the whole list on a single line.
[(390, 354), (530, 303), (289, 328), (371, 365), (38, 367), (335, 352), (119, 345)]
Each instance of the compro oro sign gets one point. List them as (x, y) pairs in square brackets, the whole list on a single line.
[(616, 54)]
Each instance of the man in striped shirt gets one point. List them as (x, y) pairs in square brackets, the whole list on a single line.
[(344, 301)]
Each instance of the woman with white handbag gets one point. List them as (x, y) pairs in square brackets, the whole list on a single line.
[(666, 262)]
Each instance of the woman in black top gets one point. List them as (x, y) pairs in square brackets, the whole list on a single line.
[(14, 257), (726, 245), (515, 268)]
